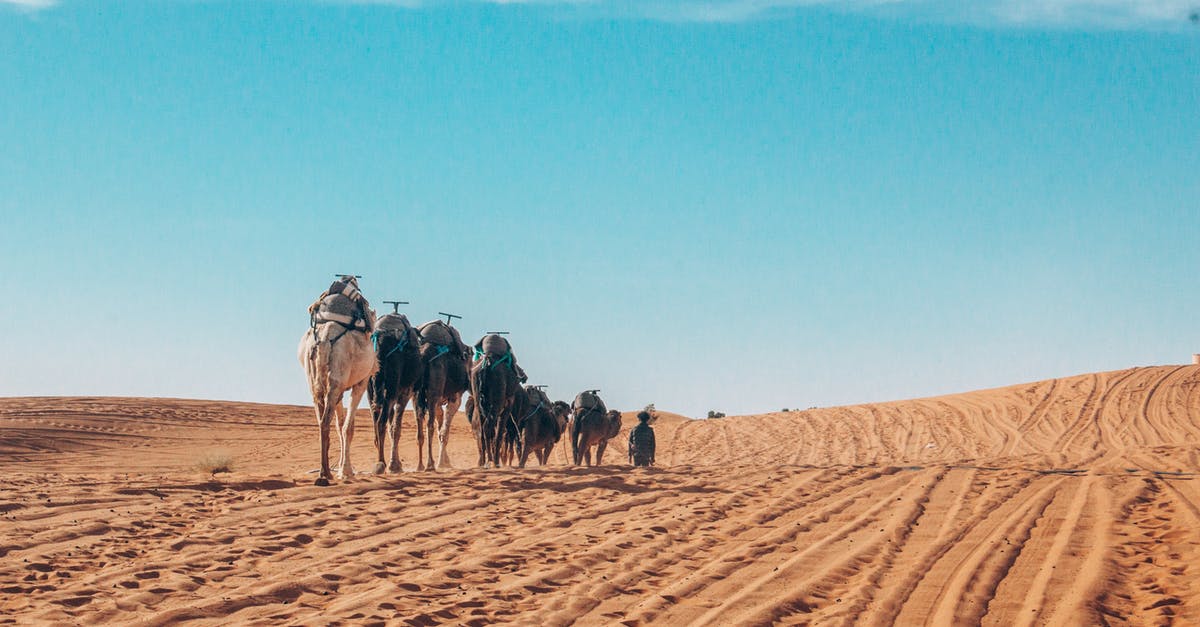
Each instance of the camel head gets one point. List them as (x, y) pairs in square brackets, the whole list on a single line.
[(562, 415), (614, 422)]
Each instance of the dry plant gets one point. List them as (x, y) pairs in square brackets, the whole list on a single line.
[(213, 462)]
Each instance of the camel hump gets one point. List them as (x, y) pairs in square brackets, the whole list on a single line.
[(494, 345), (397, 325), (437, 332), (536, 396), (589, 400), (393, 322)]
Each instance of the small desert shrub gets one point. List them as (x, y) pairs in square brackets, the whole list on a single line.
[(716, 414), (214, 462)]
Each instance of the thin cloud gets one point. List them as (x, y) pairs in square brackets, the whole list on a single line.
[(1120, 14), (1108, 14), (1104, 14), (29, 5)]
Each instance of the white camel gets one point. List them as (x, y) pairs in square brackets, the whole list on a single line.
[(337, 359)]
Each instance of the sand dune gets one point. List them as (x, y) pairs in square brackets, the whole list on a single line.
[(1071, 501)]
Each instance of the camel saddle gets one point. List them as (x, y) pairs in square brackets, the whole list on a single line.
[(342, 309), (589, 400), (439, 333), (493, 345), (498, 348), (396, 325), (537, 396)]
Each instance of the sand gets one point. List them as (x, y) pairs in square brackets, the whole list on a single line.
[(1071, 501)]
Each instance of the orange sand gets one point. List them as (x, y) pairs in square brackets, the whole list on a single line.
[(1072, 501)]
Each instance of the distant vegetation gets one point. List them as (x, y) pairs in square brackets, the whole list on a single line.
[(716, 414), (215, 462)]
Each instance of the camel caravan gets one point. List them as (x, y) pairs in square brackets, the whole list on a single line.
[(347, 348)]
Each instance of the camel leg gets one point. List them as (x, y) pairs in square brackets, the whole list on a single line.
[(485, 440), (397, 418), (381, 409), (523, 451), (435, 416), (491, 434), (334, 404), (346, 468), (339, 425), (323, 417), (497, 439), (444, 431), (423, 415), (505, 442), (600, 452)]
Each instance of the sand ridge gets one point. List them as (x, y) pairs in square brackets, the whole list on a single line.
[(1071, 501)]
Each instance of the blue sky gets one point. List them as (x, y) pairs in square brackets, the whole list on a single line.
[(739, 206)]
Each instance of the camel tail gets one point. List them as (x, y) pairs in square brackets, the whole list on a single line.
[(435, 381)]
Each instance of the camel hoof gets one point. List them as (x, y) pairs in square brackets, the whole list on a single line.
[(395, 467), (379, 467), (344, 474), (322, 481)]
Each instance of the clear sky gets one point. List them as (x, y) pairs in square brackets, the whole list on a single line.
[(735, 205)]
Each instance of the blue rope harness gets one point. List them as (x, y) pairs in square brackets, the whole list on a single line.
[(535, 410), (517, 423), (442, 349), (479, 354), (399, 345)]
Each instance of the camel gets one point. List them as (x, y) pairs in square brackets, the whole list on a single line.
[(444, 378), (594, 429), (592, 425), (494, 387), (397, 353), (508, 435), (337, 357), (540, 424)]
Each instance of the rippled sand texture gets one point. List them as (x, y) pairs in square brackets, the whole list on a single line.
[(1071, 501)]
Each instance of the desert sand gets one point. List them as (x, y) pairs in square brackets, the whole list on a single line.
[(1071, 501)]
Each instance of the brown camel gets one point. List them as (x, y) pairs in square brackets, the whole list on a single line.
[(397, 353), (541, 424), (494, 387), (337, 356), (444, 379), (592, 425)]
